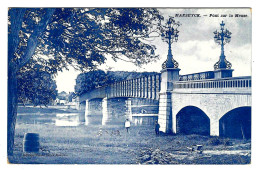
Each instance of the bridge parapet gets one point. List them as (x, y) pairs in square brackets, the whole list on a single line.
[(143, 87), (197, 76), (232, 84)]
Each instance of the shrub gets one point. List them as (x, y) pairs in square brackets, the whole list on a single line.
[(215, 141), (227, 142)]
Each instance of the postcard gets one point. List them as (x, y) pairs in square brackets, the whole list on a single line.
[(132, 86)]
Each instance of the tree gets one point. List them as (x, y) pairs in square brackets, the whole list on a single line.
[(35, 85), (88, 81), (79, 37), (20, 51)]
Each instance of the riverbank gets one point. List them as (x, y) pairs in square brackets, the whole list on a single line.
[(96, 144), (41, 110)]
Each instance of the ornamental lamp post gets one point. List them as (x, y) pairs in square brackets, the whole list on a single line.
[(169, 74), (222, 68), (222, 37), (170, 35), (170, 70)]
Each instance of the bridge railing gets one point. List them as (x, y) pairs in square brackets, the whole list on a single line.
[(197, 76), (233, 82), (143, 87)]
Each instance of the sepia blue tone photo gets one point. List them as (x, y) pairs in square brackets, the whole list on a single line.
[(129, 85)]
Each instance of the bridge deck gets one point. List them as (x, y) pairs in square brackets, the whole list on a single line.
[(149, 87)]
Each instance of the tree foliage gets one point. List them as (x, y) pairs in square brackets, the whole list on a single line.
[(88, 81), (35, 85), (84, 38), (79, 37)]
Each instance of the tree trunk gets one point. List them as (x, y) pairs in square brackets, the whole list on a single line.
[(13, 66), (16, 18), (12, 110)]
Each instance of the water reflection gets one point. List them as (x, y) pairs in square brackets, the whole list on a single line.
[(67, 120), (75, 119), (58, 119), (35, 118), (93, 120)]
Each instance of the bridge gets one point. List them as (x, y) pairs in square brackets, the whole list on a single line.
[(203, 105), (209, 103)]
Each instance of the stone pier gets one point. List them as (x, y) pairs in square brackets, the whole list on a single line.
[(168, 76), (114, 111), (144, 111)]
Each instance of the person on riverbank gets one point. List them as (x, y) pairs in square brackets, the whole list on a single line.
[(127, 125), (157, 127)]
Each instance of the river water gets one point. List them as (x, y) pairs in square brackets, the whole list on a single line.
[(57, 119)]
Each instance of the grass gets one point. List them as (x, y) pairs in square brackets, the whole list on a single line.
[(111, 144), (87, 145)]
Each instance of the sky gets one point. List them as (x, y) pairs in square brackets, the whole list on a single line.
[(195, 50)]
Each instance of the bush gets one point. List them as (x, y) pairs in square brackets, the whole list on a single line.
[(215, 141), (227, 142)]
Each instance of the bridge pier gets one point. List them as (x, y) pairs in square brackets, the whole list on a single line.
[(81, 108), (168, 76), (214, 126), (143, 111), (86, 112), (92, 112), (140, 111), (165, 112), (107, 116), (114, 110), (129, 109)]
